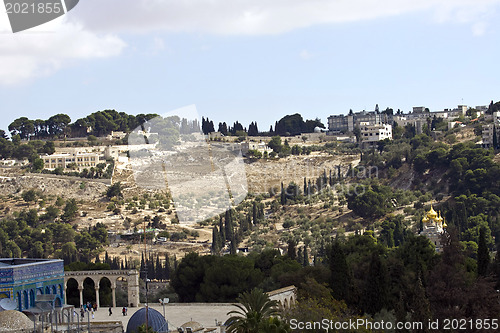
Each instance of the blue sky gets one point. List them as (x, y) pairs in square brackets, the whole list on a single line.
[(252, 60)]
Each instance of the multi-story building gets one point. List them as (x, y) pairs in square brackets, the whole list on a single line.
[(63, 160), (338, 124), (346, 124), (371, 134), (489, 130)]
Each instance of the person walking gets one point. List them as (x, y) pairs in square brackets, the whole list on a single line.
[(123, 311), (110, 312)]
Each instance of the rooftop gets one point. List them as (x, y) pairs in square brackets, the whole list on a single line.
[(10, 262)]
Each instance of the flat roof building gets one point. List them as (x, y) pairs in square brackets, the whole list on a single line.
[(64, 160)]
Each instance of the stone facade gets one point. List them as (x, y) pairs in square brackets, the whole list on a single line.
[(132, 277)]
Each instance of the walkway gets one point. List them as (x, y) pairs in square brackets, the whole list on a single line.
[(176, 313)]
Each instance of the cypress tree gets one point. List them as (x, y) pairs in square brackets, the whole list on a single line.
[(306, 257), (300, 256), (254, 212), (340, 277), (166, 268), (376, 293), (221, 228), (229, 225), (143, 267), (483, 254), (421, 309), (283, 195), (151, 267), (292, 249), (260, 211), (158, 270), (215, 241), (495, 138)]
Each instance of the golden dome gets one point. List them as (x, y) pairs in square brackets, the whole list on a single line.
[(439, 218), (425, 219), (432, 213)]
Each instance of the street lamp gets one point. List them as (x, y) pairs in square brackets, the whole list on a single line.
[(163, 302)]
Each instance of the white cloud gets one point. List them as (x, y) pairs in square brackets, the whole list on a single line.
[(45, 49), (91, 29), (256, 17)]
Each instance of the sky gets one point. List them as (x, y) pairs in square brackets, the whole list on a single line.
[(252, 60)]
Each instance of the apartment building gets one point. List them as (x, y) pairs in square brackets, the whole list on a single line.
[(63, 160), (371, 134)]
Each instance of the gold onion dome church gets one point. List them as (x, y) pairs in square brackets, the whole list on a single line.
[(434, 226)]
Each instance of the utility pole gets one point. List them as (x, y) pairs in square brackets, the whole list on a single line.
[(146, 275)]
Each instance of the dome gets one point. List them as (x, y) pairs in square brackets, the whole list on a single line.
[(12, 320), (195, 326), (155, 320), (432, 213), (317, 129)]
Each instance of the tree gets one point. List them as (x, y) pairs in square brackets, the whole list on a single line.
[(22, 126), (340, 275), (70, 210), (376, 289), (29, 196), (275, 144), (483, 254), (114, 190), (37, 164), (254, 309), (292, 249), (495, 136)]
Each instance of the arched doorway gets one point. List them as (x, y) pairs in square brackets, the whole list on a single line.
[(89, 291), (72, 293), (26, 300), (54, 290), (60, 290), (32, 298), (19, 301), (121, 292), (105, 296)]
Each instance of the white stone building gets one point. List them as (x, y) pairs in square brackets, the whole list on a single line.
[(372, 134), (63, 160)]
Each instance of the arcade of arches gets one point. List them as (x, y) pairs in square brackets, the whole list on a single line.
[(88, 280), (285, 296)]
